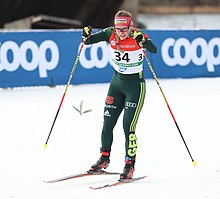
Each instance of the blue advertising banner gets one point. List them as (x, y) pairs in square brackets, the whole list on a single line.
[(187, 54), (37, 58)]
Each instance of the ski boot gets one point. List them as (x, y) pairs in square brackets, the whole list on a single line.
[(128, 169), (102, 163)]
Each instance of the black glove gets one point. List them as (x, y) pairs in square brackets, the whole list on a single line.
[(139, 37), (87, 31)]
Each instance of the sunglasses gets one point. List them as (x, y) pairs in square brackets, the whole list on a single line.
[(122, 29)]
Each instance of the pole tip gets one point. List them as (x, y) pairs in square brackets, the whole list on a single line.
[(194, 163), (45, 146)]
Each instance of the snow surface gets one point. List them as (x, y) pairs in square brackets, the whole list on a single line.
[(26, 116)]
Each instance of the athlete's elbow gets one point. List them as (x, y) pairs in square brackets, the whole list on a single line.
[(153, 49)]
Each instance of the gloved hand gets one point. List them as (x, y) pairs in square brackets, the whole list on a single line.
[(87, 31), (139, 37)]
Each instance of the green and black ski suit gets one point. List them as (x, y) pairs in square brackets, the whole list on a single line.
[(127, 88)]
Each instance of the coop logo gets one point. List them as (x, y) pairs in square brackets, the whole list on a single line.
[(29, 56), (96, 55), (198, 51)]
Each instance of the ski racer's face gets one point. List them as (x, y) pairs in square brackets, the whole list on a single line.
[(122, 31)]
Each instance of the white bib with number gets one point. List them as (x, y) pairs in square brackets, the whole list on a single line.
[(128, 62)]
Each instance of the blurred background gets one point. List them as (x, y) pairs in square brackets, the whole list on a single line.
[(39, 39), (148, 14)]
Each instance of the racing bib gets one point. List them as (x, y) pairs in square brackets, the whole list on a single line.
[(127, 62)]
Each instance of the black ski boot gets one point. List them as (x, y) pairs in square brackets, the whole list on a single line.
[(128, 169), (102, 163)]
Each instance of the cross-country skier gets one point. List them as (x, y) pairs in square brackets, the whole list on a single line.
[(127, 88)]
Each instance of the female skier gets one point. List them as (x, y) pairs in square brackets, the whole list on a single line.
[(127, 88)]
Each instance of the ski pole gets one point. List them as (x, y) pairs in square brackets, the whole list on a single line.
[(156, 79), (68, 83)]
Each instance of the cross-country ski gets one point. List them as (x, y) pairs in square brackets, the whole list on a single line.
[(80, 175), (119, 182)]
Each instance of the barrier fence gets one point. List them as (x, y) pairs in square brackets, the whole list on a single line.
[(37, 58)]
